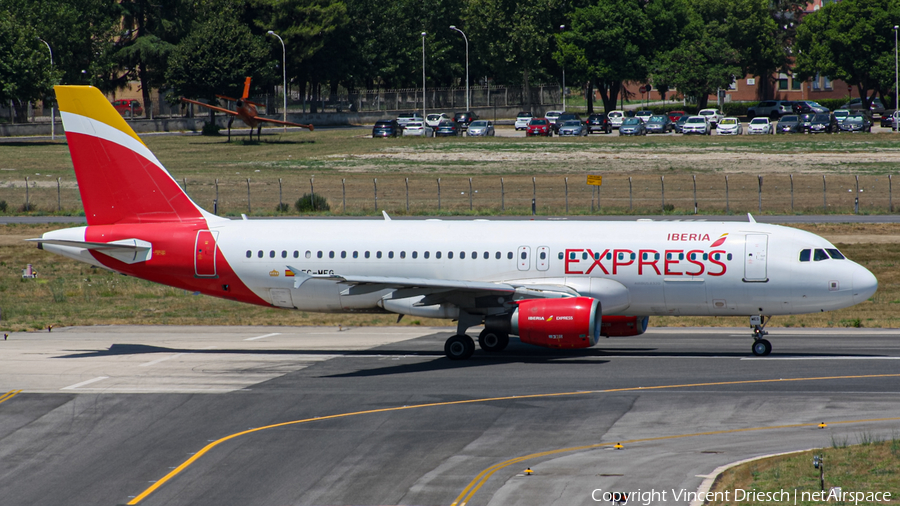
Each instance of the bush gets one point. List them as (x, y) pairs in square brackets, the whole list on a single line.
[(210, 129), (25, 208), (3, 206), (311, 203), (832, 103), (282, 208)]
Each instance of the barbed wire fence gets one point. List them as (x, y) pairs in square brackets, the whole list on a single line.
[(684, 194)]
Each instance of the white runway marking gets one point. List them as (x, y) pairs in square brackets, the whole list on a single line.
[(821, 358), (146, 364), (261, 337), (83, 383)]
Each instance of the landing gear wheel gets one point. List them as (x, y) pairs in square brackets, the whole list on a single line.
[(493, 341), (459, 347), (762, 347)]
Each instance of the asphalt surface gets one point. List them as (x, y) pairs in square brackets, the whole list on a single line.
[(105, 413)]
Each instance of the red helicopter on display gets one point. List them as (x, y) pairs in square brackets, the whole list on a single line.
[(246, 111)]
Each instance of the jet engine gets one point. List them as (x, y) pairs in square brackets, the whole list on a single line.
[(616, 326), (557, 323)]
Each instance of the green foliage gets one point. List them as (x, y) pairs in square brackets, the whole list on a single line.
[(311, 203), (210, 128), (25, 72), (27, 207), (3, 206), (282, 208)]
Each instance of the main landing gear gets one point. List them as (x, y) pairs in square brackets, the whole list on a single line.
[(761, 347), (461, 346)]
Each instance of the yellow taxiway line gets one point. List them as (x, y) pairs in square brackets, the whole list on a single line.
[(9, 395), (482, 477)]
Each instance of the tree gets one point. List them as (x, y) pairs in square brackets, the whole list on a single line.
[(25, 72), (608, 43), (851, 41), (216, 57), (697, 68)]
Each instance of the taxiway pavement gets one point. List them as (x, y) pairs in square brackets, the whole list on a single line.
[(274, 415)]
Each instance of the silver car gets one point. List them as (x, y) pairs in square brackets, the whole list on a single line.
[(418, 129), (572, 127), (481, 128)]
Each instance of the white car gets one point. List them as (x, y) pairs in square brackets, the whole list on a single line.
[(551, 116), (730, 126), (404, 119), (696, 125), (616, 118), (433, 120), (714, 116), (760, 126), (643, 115), (417, 128), (522, 120)]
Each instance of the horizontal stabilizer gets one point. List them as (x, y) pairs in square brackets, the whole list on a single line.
[(129, 251)]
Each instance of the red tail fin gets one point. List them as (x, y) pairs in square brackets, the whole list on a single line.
[(120, 180), (246, 89)]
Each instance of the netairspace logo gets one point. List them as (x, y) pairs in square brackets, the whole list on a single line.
[(648, 497)]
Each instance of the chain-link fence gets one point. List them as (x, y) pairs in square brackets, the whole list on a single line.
[(552, 195)]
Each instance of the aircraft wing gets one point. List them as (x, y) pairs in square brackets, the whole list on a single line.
[(279, 122), (220, 109)]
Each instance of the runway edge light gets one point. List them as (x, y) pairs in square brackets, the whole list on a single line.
[(528, 472), (618, 446), (823, 425)]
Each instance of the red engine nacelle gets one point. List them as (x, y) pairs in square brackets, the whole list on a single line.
[(615, 326), (557, 323)]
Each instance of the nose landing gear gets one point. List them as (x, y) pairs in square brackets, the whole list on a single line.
[(761, 347)]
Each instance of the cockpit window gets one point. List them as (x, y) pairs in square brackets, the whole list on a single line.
[(820, 255), (804, 255), (835, 254)]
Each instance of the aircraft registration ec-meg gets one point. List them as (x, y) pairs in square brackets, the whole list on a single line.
[(550, 283)]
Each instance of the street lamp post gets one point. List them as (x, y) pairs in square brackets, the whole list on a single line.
[(53, 107), (563, 27), (423, 77), (452, 27), (896, 82), (283, 74)]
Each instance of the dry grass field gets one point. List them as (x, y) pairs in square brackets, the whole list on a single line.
[(644, 175), (68, 293)]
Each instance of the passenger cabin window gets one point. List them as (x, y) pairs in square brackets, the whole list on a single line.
[(378, 254), (561, 255), (259, 254), (437, 254), (509, 255), (390, 254), (497, 256), (356, 254), (426, 254), (283, 254), (450, 254), (487, 255), (296, 254), (804, 255), (525, 256), (819, 255), (402, 254), (272, 254), (367, 254), (249, 253), (331, 254), (462, 254), (474, 255), (343, 254), (319, 254)]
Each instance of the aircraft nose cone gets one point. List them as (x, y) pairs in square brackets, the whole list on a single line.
[(864, 284)]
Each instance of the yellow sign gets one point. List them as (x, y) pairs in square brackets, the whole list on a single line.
[(595, 180)]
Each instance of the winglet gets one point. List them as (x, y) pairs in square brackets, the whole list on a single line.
[(246, 89), (386, 217), (750, 218)]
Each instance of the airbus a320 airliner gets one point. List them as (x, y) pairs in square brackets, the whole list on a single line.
[(552, 284)]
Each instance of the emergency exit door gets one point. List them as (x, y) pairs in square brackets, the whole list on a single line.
[(205, 254), (755, 252), (523, 255)]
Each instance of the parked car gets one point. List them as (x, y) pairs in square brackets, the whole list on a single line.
[(386, 128), (876, 106), (522, 120), (462, 119), (406, 118), (643, 115), (616, 118), (840, 114), (814, 106), (679, 125), (770, 108), (823, 123), (551, 116), (447, 128), (659, 124), (730, 126), (418, 129), (572, 127), (539, 126), (805, 119), (789, 124), (856, 123), (632, 126), (433, 120), (598, 123), (481, 128), (714, 116), (127, 107), (696, 125), (562, 118), (760, 126), (676, 115), (887, 119)]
